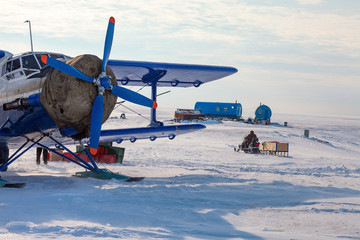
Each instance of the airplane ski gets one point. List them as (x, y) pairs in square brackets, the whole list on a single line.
[(105, 174), (5, 184)]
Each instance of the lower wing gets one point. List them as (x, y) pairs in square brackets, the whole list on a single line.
[(151, 133)]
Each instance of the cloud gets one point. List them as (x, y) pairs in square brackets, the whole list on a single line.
[(330, 32), (285, 45), (227, 21), (309, 2)]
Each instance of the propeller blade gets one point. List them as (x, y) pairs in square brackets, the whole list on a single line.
[(108, 43), (65, 68), (96, 122), (133, 97)]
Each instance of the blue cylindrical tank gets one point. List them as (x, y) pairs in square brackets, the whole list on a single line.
[(263, 112), (219, 109)]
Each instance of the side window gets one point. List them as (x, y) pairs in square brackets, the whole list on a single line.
[(218, 109), (8, 67), (225, 109), (13, 66)]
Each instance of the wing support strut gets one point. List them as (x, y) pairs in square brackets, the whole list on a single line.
[(153, 121), (80, 161), (93, 172), (15, 156), (152, 79)]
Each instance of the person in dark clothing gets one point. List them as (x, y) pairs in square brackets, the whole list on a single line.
[(248, 139), (38, 155)]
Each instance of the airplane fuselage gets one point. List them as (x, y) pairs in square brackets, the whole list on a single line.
[(21, 76)]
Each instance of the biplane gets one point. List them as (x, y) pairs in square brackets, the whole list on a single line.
[(51, 100)]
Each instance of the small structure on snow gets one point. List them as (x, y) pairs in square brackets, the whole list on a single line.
[(188, 115), (263, 114), (220, 109)]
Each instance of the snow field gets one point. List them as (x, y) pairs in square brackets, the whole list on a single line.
[(197, 187)]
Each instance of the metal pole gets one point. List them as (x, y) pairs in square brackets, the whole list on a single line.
[(32, 49)]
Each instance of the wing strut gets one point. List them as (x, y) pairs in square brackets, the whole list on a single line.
[(153, 121), (152, 79), (92, 170)]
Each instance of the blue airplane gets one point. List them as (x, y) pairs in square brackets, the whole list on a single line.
[(33, 116)]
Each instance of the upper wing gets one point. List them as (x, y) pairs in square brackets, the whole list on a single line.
[(135, 73)]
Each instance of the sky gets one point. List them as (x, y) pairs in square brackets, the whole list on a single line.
[(296, 56)]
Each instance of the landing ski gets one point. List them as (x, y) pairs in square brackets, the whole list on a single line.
[(5, 184), (14, 185), (105, 174), (134, 179)]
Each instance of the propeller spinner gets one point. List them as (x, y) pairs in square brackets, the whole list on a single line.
[(103, 83)]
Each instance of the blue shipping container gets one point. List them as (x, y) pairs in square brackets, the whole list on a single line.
[(218, 109)]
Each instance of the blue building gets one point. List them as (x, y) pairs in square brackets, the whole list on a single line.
[(220, 110), (263, 112)]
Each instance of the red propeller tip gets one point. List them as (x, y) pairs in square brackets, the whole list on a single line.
[(112, 19), (154, 105), (93, 151), (44, 59)]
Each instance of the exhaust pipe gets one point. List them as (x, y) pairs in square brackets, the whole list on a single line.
[(23, 103)]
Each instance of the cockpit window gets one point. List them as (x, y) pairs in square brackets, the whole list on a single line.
[(13, 69), (8, 66), (16, 64), (38, 56), (29, 62), (56, 56), (12, 65)]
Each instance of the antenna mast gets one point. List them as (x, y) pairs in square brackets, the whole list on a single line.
[(32, 49)]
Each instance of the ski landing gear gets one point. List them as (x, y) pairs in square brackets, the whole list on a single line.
[(5, 184), (4, 155), (105, 174), (92, 168)]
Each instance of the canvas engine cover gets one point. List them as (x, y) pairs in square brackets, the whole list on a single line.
[(69, 100)]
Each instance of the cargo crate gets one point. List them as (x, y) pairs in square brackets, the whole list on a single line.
[(274, 148), (106, 154)]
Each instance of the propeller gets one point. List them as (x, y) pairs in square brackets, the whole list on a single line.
[(103, 83)]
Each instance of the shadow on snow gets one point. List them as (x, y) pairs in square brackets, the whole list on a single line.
[(177, 207)]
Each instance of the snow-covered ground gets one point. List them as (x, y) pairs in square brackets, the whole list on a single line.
[(197, 187)]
